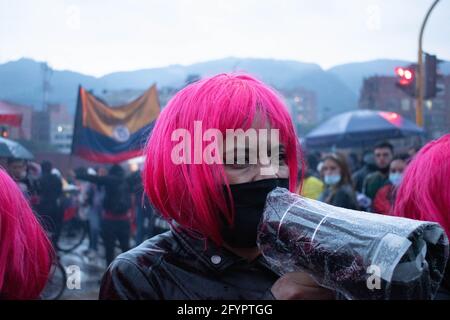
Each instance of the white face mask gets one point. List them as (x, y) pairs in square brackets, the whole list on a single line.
[(395, 178), (332, 179)]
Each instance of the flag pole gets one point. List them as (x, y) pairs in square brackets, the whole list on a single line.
[(75, 125)]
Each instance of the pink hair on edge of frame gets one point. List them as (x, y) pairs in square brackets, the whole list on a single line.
[(25, 250), (424, 193)]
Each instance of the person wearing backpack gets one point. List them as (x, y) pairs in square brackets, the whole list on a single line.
[(117, 202)]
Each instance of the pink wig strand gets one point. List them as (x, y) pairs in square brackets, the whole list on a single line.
[(25, 251), (424, 193), (192, 194)]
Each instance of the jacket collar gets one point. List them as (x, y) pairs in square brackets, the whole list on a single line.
[(212, 256)]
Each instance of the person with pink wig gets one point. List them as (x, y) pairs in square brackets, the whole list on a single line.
[(424, 193), (25, 251), (212, 193)]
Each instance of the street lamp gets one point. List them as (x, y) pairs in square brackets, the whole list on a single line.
[(420, 90)]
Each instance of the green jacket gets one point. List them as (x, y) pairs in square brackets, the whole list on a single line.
[(373, 182)]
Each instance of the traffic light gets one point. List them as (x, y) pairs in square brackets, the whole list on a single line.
[(431, 75), (4, 133), (406, 79)]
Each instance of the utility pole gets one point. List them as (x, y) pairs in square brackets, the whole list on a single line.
[(420, 88), (46, 88)]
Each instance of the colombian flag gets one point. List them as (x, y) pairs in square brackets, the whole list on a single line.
[(113, 134)]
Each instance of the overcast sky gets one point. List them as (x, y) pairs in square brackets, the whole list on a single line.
[(98, 36)]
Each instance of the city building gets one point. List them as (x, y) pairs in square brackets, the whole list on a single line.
[(15, 120), (60, 127), (381, 93), (303, 107), (54, 127), (40, 127)]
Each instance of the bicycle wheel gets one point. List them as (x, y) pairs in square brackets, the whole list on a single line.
[(72, 235), (56, 284)]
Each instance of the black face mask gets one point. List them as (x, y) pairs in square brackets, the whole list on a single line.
[(249, 200)]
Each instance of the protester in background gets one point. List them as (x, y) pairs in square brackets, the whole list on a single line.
[(34, 172), (353, 163), (49, 207), (214, 209), (383, 152), (25, 251), (148, 222), (339, 191), (92, 197), (367, 168), (424, 193), (319, 169), (95, 216), (17, 169), (135, 181), (117, 204), (358, 177), (385, 197), (312, 186)]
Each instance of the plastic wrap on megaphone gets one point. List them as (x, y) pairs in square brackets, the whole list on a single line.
[(358, 254)]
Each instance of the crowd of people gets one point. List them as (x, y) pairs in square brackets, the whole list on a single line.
[(210, 251), (110, 202), (368, 185), (115, 204)]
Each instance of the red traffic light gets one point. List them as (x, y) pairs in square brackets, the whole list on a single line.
[(400, 71), (406, 75)]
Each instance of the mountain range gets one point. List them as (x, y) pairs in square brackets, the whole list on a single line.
[(337, 89)]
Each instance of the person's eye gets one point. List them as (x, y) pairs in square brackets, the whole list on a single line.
[(236, 165)]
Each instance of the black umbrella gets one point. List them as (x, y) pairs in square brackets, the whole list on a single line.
[(13, 149), (361, 127)]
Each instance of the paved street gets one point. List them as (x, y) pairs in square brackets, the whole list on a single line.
[(90, 272)]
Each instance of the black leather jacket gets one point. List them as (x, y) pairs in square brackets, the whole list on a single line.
[(174, 265)]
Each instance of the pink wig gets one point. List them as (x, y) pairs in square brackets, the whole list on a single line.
[(424, 193), (25, 251), (192, 195)]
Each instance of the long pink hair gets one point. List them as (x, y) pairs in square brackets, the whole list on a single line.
[(424, 193), (25, 251), (193, 195)]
